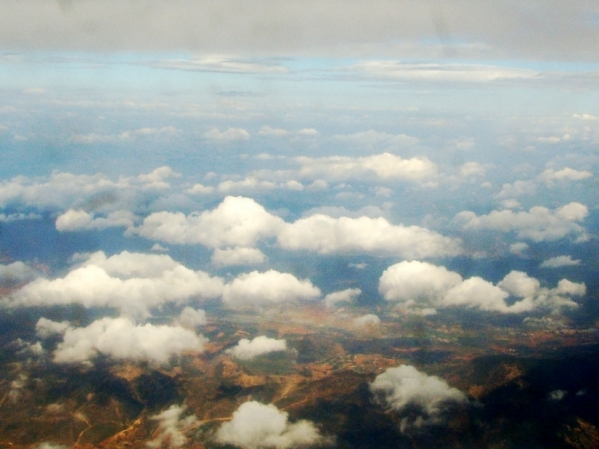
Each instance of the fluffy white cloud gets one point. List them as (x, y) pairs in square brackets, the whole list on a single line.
[(538, 224), (237, 221), (403, 386), (417, 281), (343, 296), (171, 428), (423, 286), (131, 282), (326, 235), (248, 350), (190, 317), (238, 256), (560, 261), (229, 135), (270, 287), (242, 222), (120, 339), (385, 166), (255, 425)]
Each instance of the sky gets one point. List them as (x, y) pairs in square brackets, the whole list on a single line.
[(398, 157)]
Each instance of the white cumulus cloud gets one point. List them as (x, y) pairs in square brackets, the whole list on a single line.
[(384, 166), (270, 287), (327, 235), (131, 282), (538, 224), (255, 425), (120, 339), (248, 350), (403, 386), (418, 285), (560, 261), (237, 221)]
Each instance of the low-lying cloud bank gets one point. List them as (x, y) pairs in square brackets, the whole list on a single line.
[(255, 425), (422, 398), (418, 286)]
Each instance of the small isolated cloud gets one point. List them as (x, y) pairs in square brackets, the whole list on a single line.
[(538, 224), (327, 235), (343, 296), (384, 166), (268, 288), (73, 220), (248, 350), (237, 256), (560, 261), (237, 221), (171, 428), (157, 247), (131, 282), (120, 339), (229, 135), (421, 397), (367, 320), (255, 425), (418, 285), (192, 318)]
